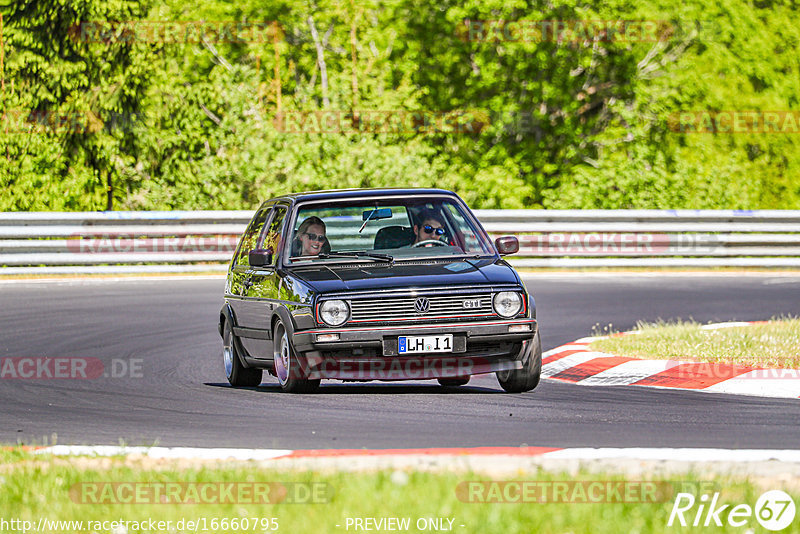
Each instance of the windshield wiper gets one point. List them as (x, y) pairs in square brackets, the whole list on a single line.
[(470, 258), (358, 254)]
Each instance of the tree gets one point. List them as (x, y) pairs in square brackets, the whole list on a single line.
[(72, 65)]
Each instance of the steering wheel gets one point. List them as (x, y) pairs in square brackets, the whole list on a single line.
[(429, 242)]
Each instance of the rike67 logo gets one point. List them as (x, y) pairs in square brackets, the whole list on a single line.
[(774, 510)]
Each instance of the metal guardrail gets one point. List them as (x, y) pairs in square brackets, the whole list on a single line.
[(181, 241)]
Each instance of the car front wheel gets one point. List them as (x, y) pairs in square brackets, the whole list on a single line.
[(287, 369), (238, 375), (527, 378)]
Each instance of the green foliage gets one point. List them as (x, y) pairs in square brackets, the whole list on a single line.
[(57, 74), (577, 123), (543, 500)]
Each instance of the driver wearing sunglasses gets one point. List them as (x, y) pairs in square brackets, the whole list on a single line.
[(431, 228)]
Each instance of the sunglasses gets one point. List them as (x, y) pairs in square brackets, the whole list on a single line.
[(430, 229), (314, 237)]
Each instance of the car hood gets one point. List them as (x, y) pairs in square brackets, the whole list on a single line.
[(361, 277)]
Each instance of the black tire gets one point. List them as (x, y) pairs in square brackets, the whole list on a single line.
[(454, 382), (527, 378), (287, 368), (238, 375)]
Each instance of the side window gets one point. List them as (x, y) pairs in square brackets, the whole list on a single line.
[(250, 237), (464, 231), (271, 239)]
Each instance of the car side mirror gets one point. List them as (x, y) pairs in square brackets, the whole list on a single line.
[(259, 257), (508, 244)]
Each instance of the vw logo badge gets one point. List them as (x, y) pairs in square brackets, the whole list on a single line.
[(422, 305)]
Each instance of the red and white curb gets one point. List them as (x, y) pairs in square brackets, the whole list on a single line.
[(576, 363), (555, 453)]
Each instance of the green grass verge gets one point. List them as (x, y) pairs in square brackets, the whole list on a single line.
[(10, 455), (772, 344), (56, 489)]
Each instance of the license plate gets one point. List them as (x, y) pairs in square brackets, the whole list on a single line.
[(418, 344)]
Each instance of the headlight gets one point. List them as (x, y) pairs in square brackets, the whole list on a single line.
[(334, 312), (507, 303)]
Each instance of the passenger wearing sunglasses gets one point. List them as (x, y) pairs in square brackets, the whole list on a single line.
[(310, 239), (431, 228)]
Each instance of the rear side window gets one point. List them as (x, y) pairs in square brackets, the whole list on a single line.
[(250, 237), (271, 240)]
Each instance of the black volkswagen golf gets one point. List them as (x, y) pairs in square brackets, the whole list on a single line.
[(375, 284)]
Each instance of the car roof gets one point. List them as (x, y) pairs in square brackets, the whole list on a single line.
[(356, 193)]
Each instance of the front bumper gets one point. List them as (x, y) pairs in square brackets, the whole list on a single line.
[(370, 353)]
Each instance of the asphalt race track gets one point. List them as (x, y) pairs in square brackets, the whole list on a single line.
[(161, 335)]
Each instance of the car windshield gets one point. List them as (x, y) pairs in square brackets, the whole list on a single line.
[(384, 230)]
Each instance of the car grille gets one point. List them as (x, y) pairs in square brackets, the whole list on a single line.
[(397, 310)]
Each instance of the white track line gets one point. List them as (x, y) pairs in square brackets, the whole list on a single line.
[(606, 453), (719, 326), (686, 455), (166, 452)]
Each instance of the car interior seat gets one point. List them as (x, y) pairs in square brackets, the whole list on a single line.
[(393, 237)]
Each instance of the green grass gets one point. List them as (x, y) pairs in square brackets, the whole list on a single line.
[(9, 455), (773, 344), (31, 489)]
